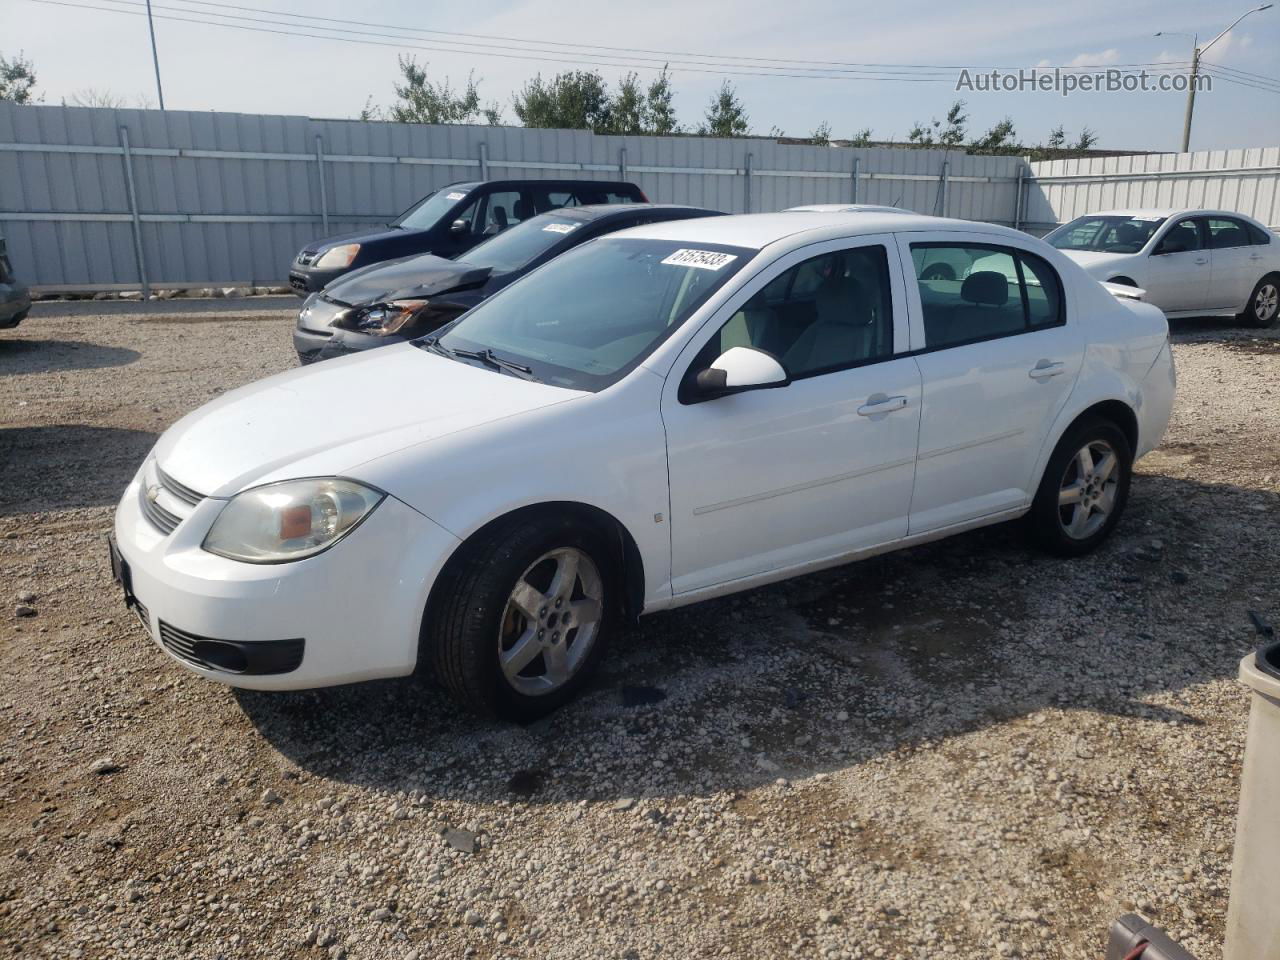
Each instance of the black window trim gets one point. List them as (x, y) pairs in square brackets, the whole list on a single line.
[(1017, 253), (690, 372)]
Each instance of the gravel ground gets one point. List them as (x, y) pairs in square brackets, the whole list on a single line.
[(964, 750)]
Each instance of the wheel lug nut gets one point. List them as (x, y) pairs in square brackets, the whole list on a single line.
[(559, 600)]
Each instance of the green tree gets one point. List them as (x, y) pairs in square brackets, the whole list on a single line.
[(659, 111), (821, 135), (1086, 139), (725, 114), (629, 112), (921, 134), (952, 134), (17, 79), (1002, 138), (423, 100), (574, 100), (1057, 137), (862, 138)]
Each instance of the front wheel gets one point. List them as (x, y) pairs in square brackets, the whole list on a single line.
[(1084, 489), (1264, 303), (521, 617)]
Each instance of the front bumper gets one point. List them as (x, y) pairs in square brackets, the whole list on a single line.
[(307, 280), (15, 301), (357, 607)]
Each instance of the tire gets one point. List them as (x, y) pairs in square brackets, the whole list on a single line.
[(1264, 303), (474, 623), (1074, 529), (938, 271)]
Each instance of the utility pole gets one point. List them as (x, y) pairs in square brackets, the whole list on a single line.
[(155, 57), (1197, 52)]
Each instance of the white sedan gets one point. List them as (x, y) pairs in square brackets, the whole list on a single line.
[(674, 412), (1190, 263)]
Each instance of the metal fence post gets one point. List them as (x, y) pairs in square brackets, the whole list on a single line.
[(622, 162), (1017, 201), (133, 210), (324, 189), (484, 161), (746, 182), (857, 165), (942, 188)]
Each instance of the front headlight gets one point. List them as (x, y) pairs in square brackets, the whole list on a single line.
[(338, 256), (381, 319), (289, 520)]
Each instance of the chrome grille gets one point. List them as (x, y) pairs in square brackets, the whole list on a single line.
[(160, 518), (181, 491)]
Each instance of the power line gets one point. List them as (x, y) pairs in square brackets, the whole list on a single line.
[(1239, 82), (1243, 73), (660, 54)]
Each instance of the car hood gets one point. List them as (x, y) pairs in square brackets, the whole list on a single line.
[(411, 277), (327, 419), (1092, 260), (359, 236)]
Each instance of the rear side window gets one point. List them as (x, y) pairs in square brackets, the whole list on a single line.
[(973, 292), (1224, 233), (1259, 236)]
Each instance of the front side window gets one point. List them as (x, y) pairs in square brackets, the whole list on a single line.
[(1182, 237), (428, 211), (827, 313), (591, 315), (1118, 234), (984, 292), (1224, 233)]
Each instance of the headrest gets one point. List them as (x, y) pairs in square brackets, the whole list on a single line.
[(523, 209), (986, 287), (835, 299)]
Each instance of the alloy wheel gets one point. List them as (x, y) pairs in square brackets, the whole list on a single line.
[(1265, 303), (1087, 494), (551, 621)]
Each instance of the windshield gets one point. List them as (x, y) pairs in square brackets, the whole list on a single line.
[(1119, 234), (591, 315), (426, 213), (514, 247)]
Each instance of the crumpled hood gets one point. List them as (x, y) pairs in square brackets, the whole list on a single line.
[(418, 276), (327, 419)]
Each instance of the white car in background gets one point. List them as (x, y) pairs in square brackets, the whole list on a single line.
[(846, 208), (1190, 263), (669, 413)]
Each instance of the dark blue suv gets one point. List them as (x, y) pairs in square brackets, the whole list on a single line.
[(449, 222)]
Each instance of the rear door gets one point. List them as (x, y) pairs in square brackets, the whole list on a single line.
[(998, 357), (1179, 268), (1234, 273)]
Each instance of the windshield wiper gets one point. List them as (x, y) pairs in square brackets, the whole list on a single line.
[(485, 356)]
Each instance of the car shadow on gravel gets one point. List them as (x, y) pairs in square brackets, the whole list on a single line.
[(887, 656), (55, 356), (67, 466)]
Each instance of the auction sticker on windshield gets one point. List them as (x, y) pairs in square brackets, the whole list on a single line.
[(560, 227), (455, 196), (702, 259)]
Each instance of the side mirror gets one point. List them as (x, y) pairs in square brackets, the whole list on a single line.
[(1171, 245), (458, 227), (737, 370)]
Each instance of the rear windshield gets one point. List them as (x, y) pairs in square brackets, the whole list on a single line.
[(517, 246), (426, 213), (593, 314), (1118, 234)]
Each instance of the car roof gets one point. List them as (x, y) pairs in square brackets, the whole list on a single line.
[(603, 211), (758, 230), (1165, 212), (543, 182), (846, 208)]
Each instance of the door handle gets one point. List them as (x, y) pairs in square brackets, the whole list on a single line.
[(1044, 369), (879, 403), (1202, 260)]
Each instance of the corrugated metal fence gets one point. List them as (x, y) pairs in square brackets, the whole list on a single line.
[(104, 199), (1243, 180)]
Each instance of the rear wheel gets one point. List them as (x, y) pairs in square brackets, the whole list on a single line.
[(1264, 303), (521, 617), (1084, 489)]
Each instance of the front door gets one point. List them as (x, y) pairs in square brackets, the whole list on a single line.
[(1179, 269), (771, 479), (998, 357)]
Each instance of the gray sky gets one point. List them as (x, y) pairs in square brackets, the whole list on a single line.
[(217, 68)]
